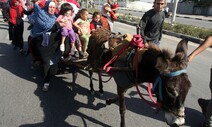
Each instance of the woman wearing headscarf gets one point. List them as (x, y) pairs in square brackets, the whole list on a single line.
[(108, 17), (16, 24), (46, 38)]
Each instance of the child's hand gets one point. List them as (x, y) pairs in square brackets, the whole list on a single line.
[(62, 23), (79, 32)]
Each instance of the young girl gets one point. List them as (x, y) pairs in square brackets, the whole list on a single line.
[(83, 26), (95, 23), (66, 12)]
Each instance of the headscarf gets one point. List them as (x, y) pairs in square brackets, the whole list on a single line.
[(110, 22), (43, 21)]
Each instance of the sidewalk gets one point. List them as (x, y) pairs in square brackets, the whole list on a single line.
[(197, 17)]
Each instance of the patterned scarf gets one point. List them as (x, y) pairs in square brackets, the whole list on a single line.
[(42, 20)]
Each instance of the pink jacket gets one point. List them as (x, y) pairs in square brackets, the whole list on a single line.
[(69, 21)]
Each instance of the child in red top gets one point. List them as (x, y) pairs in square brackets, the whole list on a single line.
[(115, 7), (95, 23)]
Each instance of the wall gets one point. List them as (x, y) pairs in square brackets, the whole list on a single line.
[(188, 8)]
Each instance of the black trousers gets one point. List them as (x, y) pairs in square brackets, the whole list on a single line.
[(45, 53), (16, 34)]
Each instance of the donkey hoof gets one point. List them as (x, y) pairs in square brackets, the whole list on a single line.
[(108, 102)]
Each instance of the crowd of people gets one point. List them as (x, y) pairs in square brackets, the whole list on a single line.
[(55, 22), (58, 28)]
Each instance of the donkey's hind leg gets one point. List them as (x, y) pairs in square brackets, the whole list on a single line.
[(91, 82)]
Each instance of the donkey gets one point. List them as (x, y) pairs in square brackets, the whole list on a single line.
[(98, 57), (155, 65)]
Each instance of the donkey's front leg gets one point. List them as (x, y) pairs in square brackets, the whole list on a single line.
[(122, 106), (100, 84), (91, 82)]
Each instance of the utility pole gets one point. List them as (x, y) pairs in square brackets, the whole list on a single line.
[(86, 3), (174, 11)]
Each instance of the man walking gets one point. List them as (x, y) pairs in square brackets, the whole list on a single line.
[(152, 22)]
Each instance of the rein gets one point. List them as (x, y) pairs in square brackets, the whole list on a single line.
[(136, 41)]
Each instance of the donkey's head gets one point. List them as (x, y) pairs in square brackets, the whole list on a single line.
[(175, 83)]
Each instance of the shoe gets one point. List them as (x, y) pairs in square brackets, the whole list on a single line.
[(45, 87), (81, 55), (62, 47), (203, 104), (76, 54), (5, 20), (29, 27), (22, 51), (72, 52)]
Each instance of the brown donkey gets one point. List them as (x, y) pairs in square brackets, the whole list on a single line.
[(156, 65)]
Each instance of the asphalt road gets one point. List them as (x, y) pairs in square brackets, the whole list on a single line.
[(24, 104), (181, 20)]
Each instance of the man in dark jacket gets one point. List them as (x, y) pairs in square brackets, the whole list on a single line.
[(152, 22)]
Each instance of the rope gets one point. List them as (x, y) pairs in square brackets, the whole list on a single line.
[(136, 41), (153, 103)]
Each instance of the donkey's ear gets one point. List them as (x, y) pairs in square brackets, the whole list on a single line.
[(182, 46), (161, 63)]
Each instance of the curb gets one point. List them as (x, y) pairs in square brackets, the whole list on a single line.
[(178, 35), (193, 39), (194, 18)]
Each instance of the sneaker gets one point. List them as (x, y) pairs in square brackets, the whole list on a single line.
[(45, 87), (22, 51), (62, 47), (203, 104)]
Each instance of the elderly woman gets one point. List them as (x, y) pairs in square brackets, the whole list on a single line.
[(108, 17), (45, 38)]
